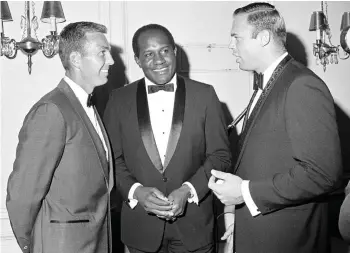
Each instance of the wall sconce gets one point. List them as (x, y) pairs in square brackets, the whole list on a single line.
[(325, 53), (52, 13)]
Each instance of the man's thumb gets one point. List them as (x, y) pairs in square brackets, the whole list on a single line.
[(218, 174)]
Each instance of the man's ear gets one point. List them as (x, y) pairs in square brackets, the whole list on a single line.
[(75, 59), (264, 37), (137, 60)]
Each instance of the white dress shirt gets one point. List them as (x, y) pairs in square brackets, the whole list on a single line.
[(245, 184), (161, 108), (82, 97)]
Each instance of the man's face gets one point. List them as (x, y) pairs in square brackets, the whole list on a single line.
[(157, 58), (96, 60), (243, 46)]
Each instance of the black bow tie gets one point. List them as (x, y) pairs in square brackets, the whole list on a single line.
[(258, 81), (90, 100), (156, 88)]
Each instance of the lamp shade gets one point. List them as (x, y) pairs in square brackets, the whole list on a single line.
[(318, 21), (5, 11), (52, 9), (345, 20)]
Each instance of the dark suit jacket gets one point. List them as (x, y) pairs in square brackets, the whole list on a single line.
[(58, 192), (197, 143), (290, 152)]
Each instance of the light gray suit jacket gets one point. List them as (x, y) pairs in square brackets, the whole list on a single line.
[(58, 193)]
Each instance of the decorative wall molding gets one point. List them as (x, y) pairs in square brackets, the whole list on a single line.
[(3, 213), (125, 33), (6, 233), (104, 16), (198, 58)]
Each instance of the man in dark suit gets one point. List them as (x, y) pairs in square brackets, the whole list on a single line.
[(289, 152), (59, 191), (167, 133)]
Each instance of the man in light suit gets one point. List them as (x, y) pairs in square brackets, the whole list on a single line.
[(167, 133), (58, 193), (289, 153)]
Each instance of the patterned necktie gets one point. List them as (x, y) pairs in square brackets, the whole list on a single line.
[(155, 88)]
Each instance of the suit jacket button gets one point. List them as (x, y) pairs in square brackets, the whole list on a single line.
[(165, 179)]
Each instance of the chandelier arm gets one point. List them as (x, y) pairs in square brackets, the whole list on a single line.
[(30, 44), (346, 54)]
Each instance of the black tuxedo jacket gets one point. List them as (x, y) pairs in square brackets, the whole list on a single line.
[(290, 152), (197, 143)]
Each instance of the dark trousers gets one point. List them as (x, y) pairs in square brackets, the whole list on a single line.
[(172, 244)]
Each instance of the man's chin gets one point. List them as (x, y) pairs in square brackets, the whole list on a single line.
[(242, 67)]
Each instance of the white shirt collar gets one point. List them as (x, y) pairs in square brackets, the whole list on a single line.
[(173, 80), (79, 92), (268, 72)]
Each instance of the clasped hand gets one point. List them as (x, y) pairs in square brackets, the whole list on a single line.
[(155, 202), (226, 187)]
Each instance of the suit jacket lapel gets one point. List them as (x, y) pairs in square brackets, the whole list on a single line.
[(178, 118), (109, 150), (145, 126), (250, 122), (64, 87)]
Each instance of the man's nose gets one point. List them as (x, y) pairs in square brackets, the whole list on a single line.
[(159, 59), (109, 59), (232, 45)]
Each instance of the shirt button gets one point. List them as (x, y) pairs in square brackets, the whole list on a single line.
[(163, 110), (165, 179), (163, 132), (25, 247)]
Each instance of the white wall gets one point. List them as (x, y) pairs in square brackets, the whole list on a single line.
[(193, 24)]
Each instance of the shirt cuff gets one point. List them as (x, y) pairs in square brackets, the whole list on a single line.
[(194, 197), (133, 202), (248, 198)]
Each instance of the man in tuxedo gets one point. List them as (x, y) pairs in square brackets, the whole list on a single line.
[(167, 133), (288, 153), (58, 195)]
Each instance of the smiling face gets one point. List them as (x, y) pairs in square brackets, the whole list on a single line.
[(95, 61), (157, 57), (243, 46)]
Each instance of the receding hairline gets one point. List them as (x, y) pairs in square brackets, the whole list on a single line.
[(242, 14)]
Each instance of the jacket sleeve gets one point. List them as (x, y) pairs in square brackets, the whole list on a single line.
[(41, 144), (123, 177), (217, 156)]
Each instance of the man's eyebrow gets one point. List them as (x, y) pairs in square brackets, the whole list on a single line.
[(233, 34), (106, 48)]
